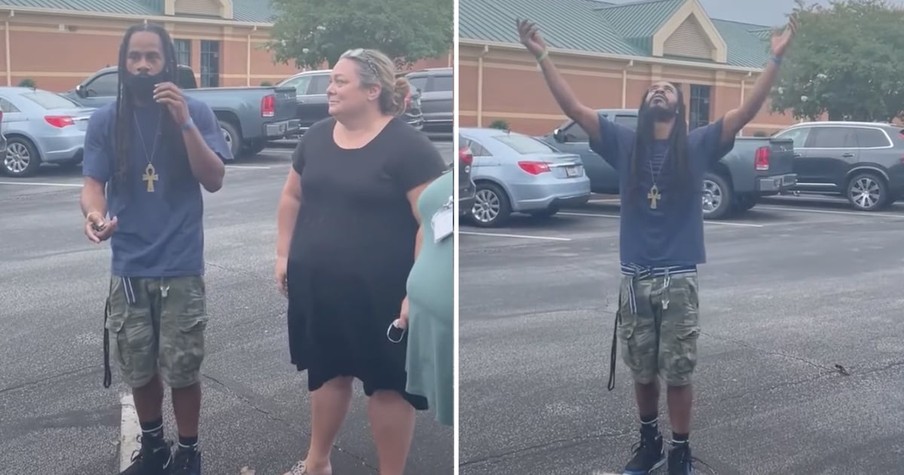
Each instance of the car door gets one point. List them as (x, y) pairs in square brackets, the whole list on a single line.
[(101, 90), (831, 152), (798, 135), (314, 105)]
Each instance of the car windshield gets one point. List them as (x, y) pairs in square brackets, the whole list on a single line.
[(49, 100), (523, 144)]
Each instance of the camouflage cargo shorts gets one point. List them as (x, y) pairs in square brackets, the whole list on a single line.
[(660, 337), (157, 325)]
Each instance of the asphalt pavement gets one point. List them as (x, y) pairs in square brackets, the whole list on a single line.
[(55, 415), (801, 359)]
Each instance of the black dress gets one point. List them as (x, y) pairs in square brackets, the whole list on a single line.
[(351, 252)]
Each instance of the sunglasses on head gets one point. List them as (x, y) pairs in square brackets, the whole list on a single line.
[(361, 55)]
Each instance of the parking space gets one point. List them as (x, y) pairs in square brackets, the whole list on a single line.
[(798, 367), (255, 412)]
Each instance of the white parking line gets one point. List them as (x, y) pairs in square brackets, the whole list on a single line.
[(129, 430), (615, 216), (825, 211), (35, 183), (517, 236)]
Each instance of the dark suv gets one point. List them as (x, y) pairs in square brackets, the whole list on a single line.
[(862, 161), (313, 105), (435, 85)]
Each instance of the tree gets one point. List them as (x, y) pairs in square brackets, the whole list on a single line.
[(313, 32), (845, 61)]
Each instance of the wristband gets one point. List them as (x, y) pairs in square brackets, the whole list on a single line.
[(542, 56), (188, 124), (777, 60)]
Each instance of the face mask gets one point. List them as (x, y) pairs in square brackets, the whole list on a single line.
[(142, 85)]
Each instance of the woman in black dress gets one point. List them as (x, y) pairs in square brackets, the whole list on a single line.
[(347, 238)]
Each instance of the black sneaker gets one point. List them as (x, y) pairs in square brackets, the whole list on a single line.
[(187, 461), (648, 455), (680, 460), (150, 460)]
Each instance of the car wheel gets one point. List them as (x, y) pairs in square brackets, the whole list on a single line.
[(867, 191), (717, 196), (22, 158), (491, 206), (233, 139), (745, 202)]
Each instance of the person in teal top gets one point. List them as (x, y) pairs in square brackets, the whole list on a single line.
[(430, 300)]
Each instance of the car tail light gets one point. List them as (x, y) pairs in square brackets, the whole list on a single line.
[(761, 158), (465, 156), (59, 121), (534, 168), (268, 106)]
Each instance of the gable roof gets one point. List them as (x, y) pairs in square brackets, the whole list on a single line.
[(254, 11), (602, 27)]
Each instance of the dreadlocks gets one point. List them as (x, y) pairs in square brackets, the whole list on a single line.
[(676, 159), (125, 103)]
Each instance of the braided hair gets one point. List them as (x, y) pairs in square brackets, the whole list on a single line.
[(125, 104), (676, 162)]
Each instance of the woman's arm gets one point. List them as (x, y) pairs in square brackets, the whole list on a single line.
[(287, 213)]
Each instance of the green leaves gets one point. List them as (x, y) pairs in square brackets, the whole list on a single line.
[(844, 62), (313, 32)]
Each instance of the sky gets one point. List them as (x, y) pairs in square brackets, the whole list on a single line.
[(759, 12)]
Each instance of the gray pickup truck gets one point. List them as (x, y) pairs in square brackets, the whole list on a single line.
[(249, 116), (754, 168)]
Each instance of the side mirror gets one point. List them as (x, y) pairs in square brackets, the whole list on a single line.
[(80, 91), (558, 136)]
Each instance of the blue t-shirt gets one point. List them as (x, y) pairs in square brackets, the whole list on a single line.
[(159, 233), (671, 234)]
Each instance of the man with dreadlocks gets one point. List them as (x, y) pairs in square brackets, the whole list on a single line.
[(661, 168), (146, 158)]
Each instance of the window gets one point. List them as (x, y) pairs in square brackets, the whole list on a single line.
[(441, 83), (576, 133), (629, 121), (300, 84), (872, 138), (699, 106), (103, 86), (210, 63), (183, 51), (524, 144), (319, 84), (832, 137), (419, 82), (798, 135), (477, 150), (7, 107), (49, 100)]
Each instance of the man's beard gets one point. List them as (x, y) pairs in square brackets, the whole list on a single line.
[(661, 113), (142, 85)]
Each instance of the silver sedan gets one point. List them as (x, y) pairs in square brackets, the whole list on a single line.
[(515, 173), (41, 127)]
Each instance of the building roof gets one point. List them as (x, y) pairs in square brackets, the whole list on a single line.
[(602, 27), (256, 11)]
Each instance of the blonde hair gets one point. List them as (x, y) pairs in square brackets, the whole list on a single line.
[(376, 69)]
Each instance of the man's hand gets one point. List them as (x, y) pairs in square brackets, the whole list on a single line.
[(171, 96), (530, 37), (403, 314), (781, 40), (282, 282), (97, 228)]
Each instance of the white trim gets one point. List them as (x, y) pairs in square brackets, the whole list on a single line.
[(11, 11), (689, 9), (616, 57)]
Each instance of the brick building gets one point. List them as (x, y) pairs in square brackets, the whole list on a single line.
[(609, 54), (58, 43)]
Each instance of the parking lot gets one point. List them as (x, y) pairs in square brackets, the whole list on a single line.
[(800, 360), (55, 415)]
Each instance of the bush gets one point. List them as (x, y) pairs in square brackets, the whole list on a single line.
[(27, 83), (266, 84), (499, 124)]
